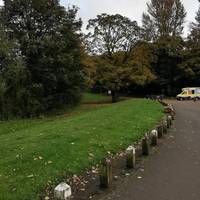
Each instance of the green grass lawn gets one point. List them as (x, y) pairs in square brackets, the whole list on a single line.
[(89, 102), (95, 98), (33, 152)]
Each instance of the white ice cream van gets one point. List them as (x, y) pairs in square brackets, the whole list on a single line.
[(189, 93)]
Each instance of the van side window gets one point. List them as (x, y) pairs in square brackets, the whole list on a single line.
[(192, 91), (189, 92)]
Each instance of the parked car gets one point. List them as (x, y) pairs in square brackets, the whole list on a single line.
[(190, 93)]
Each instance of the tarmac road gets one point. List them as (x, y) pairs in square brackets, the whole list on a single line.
[(173, 173)]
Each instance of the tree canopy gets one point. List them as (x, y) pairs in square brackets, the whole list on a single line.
[(112, 33), (164, 18), (156, 59), (45, 60), (48, 42), (191, 59), (112, 40)]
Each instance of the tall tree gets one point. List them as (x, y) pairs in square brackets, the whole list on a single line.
[(117, 75), (48, 38), (194, 37), (13, 79), (89, 64), (112, 38), (148, 28), (165, 18), (112, 33), (191, 62), (169, 55)]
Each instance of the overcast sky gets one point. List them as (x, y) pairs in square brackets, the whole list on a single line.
[(130, 8)]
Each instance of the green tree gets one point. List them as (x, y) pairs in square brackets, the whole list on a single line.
[(119, 75), (111, 39), (191, 56), (13, 80), (194, 37), (49, 42), (112, 33), (148, 28), (164, 18), (89, 64), (169, 55), (140, 62)]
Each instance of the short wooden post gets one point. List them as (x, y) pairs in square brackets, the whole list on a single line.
[(167, 120), (160, 131), (173, 115), (154, 137), (145, 146), (106, 174), (169, 117), (165, 126), (130, 157)]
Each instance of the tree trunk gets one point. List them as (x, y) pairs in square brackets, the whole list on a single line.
[(114, 96)]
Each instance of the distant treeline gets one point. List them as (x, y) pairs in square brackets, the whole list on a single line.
[(148, 60), (46, 62)]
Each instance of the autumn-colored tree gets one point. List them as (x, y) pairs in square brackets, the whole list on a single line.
[(88, 61), (112, 39), (117, 74), (140, 63)]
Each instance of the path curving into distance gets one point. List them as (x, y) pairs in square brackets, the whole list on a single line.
[(173, 172)]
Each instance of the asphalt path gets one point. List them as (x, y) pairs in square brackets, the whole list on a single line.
[(173, 172)]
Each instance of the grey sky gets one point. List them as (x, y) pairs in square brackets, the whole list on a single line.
[(130, 8)]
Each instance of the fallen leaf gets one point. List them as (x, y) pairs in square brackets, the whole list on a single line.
[(30, 176), (40, 158)]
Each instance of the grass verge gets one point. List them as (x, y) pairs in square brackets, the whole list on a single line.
[(95, 98), (33, 152)]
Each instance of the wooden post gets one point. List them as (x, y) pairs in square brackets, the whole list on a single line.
[(160, 130), (130, 157), (173, 116), (154, 137), (145, 146), (169, 118), (106, 174), (165, 127)]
